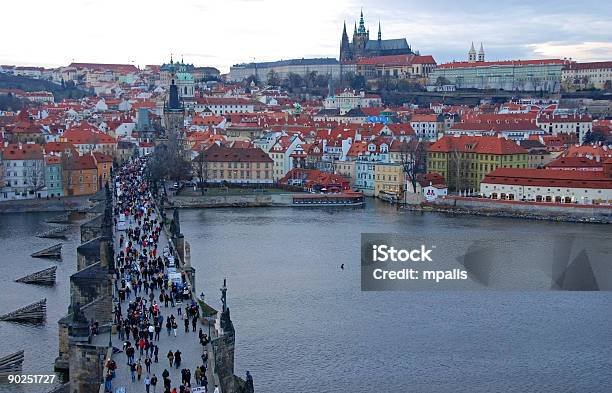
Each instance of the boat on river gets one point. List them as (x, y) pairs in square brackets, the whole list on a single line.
[(341, 199)]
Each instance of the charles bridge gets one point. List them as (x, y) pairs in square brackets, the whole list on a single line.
[(82, 355)]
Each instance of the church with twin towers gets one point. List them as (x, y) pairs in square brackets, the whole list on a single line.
[(362, 46)]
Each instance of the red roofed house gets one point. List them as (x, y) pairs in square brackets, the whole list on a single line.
[(465, 160), (395, 66), (427, 126), (597, 75), (577, 124), (87, 140), (237, 165), (24, 174), (80, 175), (549, 185)]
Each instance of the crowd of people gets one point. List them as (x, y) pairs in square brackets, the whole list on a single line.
[(141, 270)]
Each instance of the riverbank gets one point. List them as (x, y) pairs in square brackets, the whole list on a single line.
[(219, 201), (515, 209), (63, 204), (451, 205)]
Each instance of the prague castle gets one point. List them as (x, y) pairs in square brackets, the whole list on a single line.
[(362, 46)]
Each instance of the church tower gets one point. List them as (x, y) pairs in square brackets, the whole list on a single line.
[(472, 54), (379, 32), (345, 47), (481, 54), (360, 38), (174, 111)]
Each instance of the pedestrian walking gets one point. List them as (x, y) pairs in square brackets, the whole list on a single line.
[(147, 383), (154, 382), (139, 369), (170, 357), (177, 358)]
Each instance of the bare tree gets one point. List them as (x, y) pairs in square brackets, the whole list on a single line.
[(200, 166), (413, 157), (169, 161), (36, 175), (455, 166)]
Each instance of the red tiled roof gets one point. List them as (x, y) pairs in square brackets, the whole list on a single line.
[(476, 144), (466, 64), (121, 68), (78, 163), (549, 178), (22, 152), (78, 136), (573, 118), (574, 162), (227, 154), (589, 66)]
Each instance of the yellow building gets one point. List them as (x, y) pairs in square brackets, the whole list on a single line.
[(346, 169), (465, 160), (389, 178), (237, 165)]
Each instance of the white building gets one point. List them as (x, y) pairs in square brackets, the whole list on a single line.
[(555, 124), (549, 185), (24, 172), (222, 106), (427, 126), (597, 75), (349, 99)]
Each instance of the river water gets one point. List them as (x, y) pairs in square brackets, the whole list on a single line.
[(304, 325), (17, 241)]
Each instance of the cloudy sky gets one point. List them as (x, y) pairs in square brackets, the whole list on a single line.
[(224, 32)]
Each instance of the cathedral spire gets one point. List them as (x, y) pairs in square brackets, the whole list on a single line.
[(379, 32), (362, 28), (481, 54), (355, 31)]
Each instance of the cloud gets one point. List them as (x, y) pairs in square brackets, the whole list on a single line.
[(224, 32), (584, 51)]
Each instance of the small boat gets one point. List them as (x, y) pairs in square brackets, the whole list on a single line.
[(387, 196), (348, 198)]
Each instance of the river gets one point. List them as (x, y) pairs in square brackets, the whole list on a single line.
[(17, 241), (303, 324)]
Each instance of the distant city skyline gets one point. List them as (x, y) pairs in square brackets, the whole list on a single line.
[(222, 33)]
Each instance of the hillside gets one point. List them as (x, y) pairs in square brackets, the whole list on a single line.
[(29, 84)]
